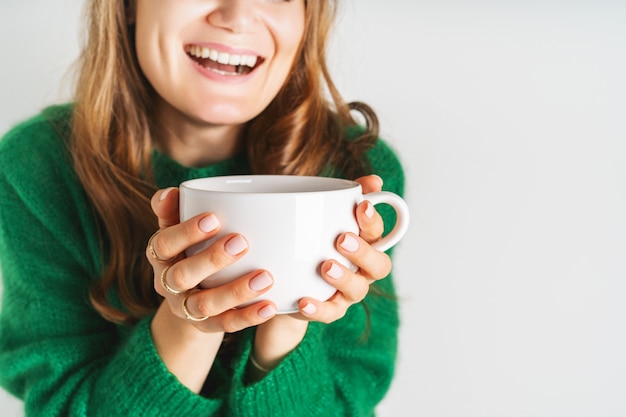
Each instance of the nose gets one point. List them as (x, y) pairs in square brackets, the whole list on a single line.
[(236, 16)]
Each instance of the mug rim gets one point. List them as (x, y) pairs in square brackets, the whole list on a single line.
[(309, 182)]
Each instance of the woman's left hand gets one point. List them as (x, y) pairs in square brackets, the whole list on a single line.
[(372, 265), (277, 337)]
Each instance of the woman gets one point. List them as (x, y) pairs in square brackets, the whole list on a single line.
[(92, 320)]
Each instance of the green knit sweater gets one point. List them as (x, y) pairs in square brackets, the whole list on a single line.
[(62, 358)]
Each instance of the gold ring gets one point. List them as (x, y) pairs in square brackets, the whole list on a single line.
[(153, 252), (164, 282), (186, 311)]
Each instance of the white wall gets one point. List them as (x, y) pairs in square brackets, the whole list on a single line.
[(509, 117)]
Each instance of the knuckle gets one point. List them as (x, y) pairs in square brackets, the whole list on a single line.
[(373, 233), (216, 257), (362, 292), (162, 247), (239, 292), (204, 306), (190, 231), (176, 277), (382, 268), (358, 293)]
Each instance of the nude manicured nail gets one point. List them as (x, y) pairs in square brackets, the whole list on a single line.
[(165, 193), (309, 308), (261, 282), (369, 210), (236, 245), (349, 243), (267, 311), (334, 271), (208, 223)]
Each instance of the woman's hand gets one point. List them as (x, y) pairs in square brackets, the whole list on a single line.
[(189, 326), (372, 265), (276, 338)]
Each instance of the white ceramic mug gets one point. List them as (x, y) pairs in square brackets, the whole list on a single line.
[(291, 224)]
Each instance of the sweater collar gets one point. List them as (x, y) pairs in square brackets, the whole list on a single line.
[(169, 173)]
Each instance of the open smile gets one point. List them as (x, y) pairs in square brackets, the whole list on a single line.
[(223, 63)]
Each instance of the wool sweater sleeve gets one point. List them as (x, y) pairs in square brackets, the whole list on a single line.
[(56, 352)]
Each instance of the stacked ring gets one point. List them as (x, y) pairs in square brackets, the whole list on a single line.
[(186, 312), (166, 285), (153, 252)]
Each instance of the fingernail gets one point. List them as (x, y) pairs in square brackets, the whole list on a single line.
[(369, 210), (267, 311), (349, 243), (236, 245), (309, 308), (165, 193), (334, 271), (208, 223), (261, 281)]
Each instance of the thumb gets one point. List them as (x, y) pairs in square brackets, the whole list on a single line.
[(370, 183), (165, 205)]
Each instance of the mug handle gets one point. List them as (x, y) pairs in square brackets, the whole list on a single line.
[(402, 217)]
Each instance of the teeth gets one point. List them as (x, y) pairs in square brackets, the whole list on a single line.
[(234, 59), (251, 60), (222, 57)]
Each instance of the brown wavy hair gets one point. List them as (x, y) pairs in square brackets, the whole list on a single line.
[(301, 132)]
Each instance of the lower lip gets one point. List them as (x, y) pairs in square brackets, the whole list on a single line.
[(222, 78)]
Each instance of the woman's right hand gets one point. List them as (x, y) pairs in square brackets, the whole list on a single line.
[(181, 336)]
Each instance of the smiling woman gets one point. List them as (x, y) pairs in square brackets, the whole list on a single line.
[(91, 237), (267, 34)]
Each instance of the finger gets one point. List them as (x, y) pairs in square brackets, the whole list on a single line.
[(189, 272), (351, 289), (238, 319), (370, 183), (229, 321), (325, 312), (219, 301), (165, 205), (173, 240), (370, 222), (354, 287), (371, 262)]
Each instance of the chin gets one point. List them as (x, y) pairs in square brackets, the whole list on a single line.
[(227, 116)]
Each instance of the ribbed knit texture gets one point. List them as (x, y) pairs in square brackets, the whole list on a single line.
[(62, 358)]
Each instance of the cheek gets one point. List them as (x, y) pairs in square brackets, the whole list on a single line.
[(287, 50), (157, 59), (144, 42), (156, 33)]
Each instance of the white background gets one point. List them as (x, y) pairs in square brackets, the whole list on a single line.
[(510, 118)]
